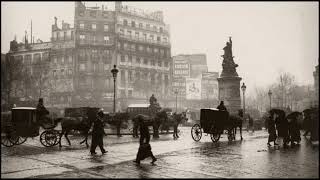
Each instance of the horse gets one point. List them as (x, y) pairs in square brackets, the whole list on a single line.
[(116, 120), (155, 121), (82, 124), (177, 120), (236, 121)]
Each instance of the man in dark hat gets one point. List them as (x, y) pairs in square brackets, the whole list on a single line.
[(42, 112), (97, 133), (221, 106)]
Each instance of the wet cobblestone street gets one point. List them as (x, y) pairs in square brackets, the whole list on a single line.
[(182, 158)]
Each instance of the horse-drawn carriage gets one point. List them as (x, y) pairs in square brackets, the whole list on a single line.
[(213, 122), (20, 123)]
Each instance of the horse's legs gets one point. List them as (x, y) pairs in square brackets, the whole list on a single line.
[(241, 131), (61, 134), (66, 135)]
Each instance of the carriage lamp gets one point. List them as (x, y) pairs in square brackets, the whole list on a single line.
[(114, 72), (243, 88), (269, 94)]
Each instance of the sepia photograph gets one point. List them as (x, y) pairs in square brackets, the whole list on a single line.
[(159, 89)]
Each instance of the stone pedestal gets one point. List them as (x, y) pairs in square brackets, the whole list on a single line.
[(229, 92)]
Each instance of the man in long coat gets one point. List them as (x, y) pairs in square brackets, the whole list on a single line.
[(97, 134)]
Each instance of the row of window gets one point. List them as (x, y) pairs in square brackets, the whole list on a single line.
[(93, 26), (143, 48), (95, 67), (30, 59), (143, 36), (62, 72), (94, 14), (143, 26), (93, 39), (63, 35), (142, 75), (141, 60), (62, 59)]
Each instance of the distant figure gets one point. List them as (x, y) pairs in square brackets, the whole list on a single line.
[(272, 128), (251, 124), (144, 148), (97, 133), (152, 100), (221, 107), (42, 112)]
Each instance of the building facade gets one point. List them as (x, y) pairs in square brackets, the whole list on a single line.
[(196, 86), (27, 66), (143, 55), (80, 58)]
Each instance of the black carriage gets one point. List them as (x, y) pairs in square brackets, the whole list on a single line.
[(17, 125), (213, 122)]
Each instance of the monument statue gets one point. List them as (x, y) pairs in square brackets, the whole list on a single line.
[(228, 65), (229, 81)]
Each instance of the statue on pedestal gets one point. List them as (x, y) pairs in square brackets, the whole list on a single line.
[(228, 65)]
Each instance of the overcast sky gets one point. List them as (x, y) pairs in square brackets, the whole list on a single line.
[(268, 37)]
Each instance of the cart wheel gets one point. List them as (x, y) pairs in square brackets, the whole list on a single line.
[(58, 136), (48, 138), (8, 140), (196, 132), (21, 140)]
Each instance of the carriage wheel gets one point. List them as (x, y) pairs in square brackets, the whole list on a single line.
[(48, 138), (58, 136), (196, 132), (8, 140), (21, 140)]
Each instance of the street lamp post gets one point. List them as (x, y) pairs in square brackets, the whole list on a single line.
[(114, 72), (243, 88), (176, 93), (269, 94)]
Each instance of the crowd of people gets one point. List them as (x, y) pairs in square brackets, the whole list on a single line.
[(283, 128)]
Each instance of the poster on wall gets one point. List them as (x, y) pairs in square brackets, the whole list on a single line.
[(193, 88)]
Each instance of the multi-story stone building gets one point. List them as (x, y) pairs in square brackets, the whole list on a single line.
[(143, 53), (27, 66), (80, 58)]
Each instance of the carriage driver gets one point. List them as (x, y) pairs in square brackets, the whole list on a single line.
[(42, 112), (221, 106)]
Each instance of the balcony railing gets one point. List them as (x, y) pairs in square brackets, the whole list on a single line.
[(103, 43), (144, 66), (140, 39)]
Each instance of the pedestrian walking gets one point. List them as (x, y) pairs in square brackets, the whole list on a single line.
[(294, 130), (97, 133), (283, 128), (144, 148), (272, 129), (307, 122), (251, 123)]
